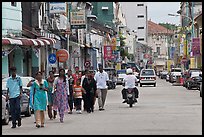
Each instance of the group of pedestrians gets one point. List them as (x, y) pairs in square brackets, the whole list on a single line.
[(58, 95)]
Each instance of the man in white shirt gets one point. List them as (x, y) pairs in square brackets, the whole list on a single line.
[(129, 82), (101, 78)]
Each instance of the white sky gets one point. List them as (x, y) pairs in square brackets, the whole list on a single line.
[(158, 12)]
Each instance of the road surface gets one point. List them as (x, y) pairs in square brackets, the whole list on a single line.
[(161, 110)]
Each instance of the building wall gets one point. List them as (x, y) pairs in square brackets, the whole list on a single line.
[(5, 71), (132, 10), (11, 17), (18, 61), (11, 24), (155, 41), (103, 16)]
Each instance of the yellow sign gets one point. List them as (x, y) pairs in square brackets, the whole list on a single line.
[(118, 66), (184, 48), (192, 65), (169, 63)]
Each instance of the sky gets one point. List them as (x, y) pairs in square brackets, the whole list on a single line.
[(158, 12)]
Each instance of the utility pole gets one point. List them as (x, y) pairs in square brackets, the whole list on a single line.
[(68, 32)]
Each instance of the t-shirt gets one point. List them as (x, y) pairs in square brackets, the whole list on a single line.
[(75, 77), (101, 79), (129, 81), (14, 86), (77, 91)]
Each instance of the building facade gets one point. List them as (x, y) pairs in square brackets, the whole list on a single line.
[(136, 17), (12, 27), (160, 39)]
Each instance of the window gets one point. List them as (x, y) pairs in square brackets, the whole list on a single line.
[(148, 72), (140, 27), (140, 39), (140, 4), (158, 50), (140, 16), (13, 4)]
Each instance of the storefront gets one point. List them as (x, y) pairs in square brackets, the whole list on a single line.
[(24, 54)]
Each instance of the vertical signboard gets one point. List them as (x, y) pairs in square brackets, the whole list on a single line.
[(108, 52), (78, 20), (196, 46)]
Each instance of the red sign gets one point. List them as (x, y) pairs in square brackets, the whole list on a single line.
[(146, 56), (87, 64), (196, 46), (62, 55), (108, 52)]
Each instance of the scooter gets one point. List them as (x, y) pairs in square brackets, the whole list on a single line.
[(131, 97)]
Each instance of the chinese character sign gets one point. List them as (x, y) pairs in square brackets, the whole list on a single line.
[(78, 20), (108, 52), (196, 46)]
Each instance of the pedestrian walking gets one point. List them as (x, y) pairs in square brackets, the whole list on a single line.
[(70, 96), (14, 93), (101, 78), (77, 92), (76, 75), (50, 80), (30, 84), (40, 87), (89, 84), (61, 92), (84, 98)]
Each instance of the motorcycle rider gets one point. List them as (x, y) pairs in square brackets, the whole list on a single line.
[(129, 81)]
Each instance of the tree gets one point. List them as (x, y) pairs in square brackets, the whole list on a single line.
[(169, 26), (123, 53)]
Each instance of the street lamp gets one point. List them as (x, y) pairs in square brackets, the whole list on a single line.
[(176, 15)]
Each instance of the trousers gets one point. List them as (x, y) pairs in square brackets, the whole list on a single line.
[(40, 117), (15, 109), (102, 93)]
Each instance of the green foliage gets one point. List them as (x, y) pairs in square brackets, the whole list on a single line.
[(169, 26)]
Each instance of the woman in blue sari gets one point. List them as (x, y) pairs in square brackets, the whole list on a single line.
[(40, 87)]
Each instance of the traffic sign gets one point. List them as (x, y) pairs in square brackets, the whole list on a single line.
[(87, 64), (52, 58), (62, 55)]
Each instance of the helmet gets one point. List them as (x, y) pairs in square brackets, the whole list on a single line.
[(129, 71)]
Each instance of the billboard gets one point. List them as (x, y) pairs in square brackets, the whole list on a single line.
[(57, 7)]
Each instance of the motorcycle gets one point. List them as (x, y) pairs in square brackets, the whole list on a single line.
[(130, 97)]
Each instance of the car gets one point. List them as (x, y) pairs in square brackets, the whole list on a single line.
[(200, 89), (174, 74), (194, 82), (167, 77), (111, 82), (190, 74), (121, 74), (147, 77), (5, 111), (24, 103), (163, 74), (174, 77)]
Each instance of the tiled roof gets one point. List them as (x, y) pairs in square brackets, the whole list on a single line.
[(154, 28)]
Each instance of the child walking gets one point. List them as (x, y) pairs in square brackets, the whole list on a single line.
[(78, 90)]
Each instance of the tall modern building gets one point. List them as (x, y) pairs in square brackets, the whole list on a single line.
[(136, 17)]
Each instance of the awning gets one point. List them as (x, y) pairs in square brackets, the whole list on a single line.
[(28, 42), (72, 43)]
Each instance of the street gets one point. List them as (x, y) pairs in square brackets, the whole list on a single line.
[(161, 110)]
